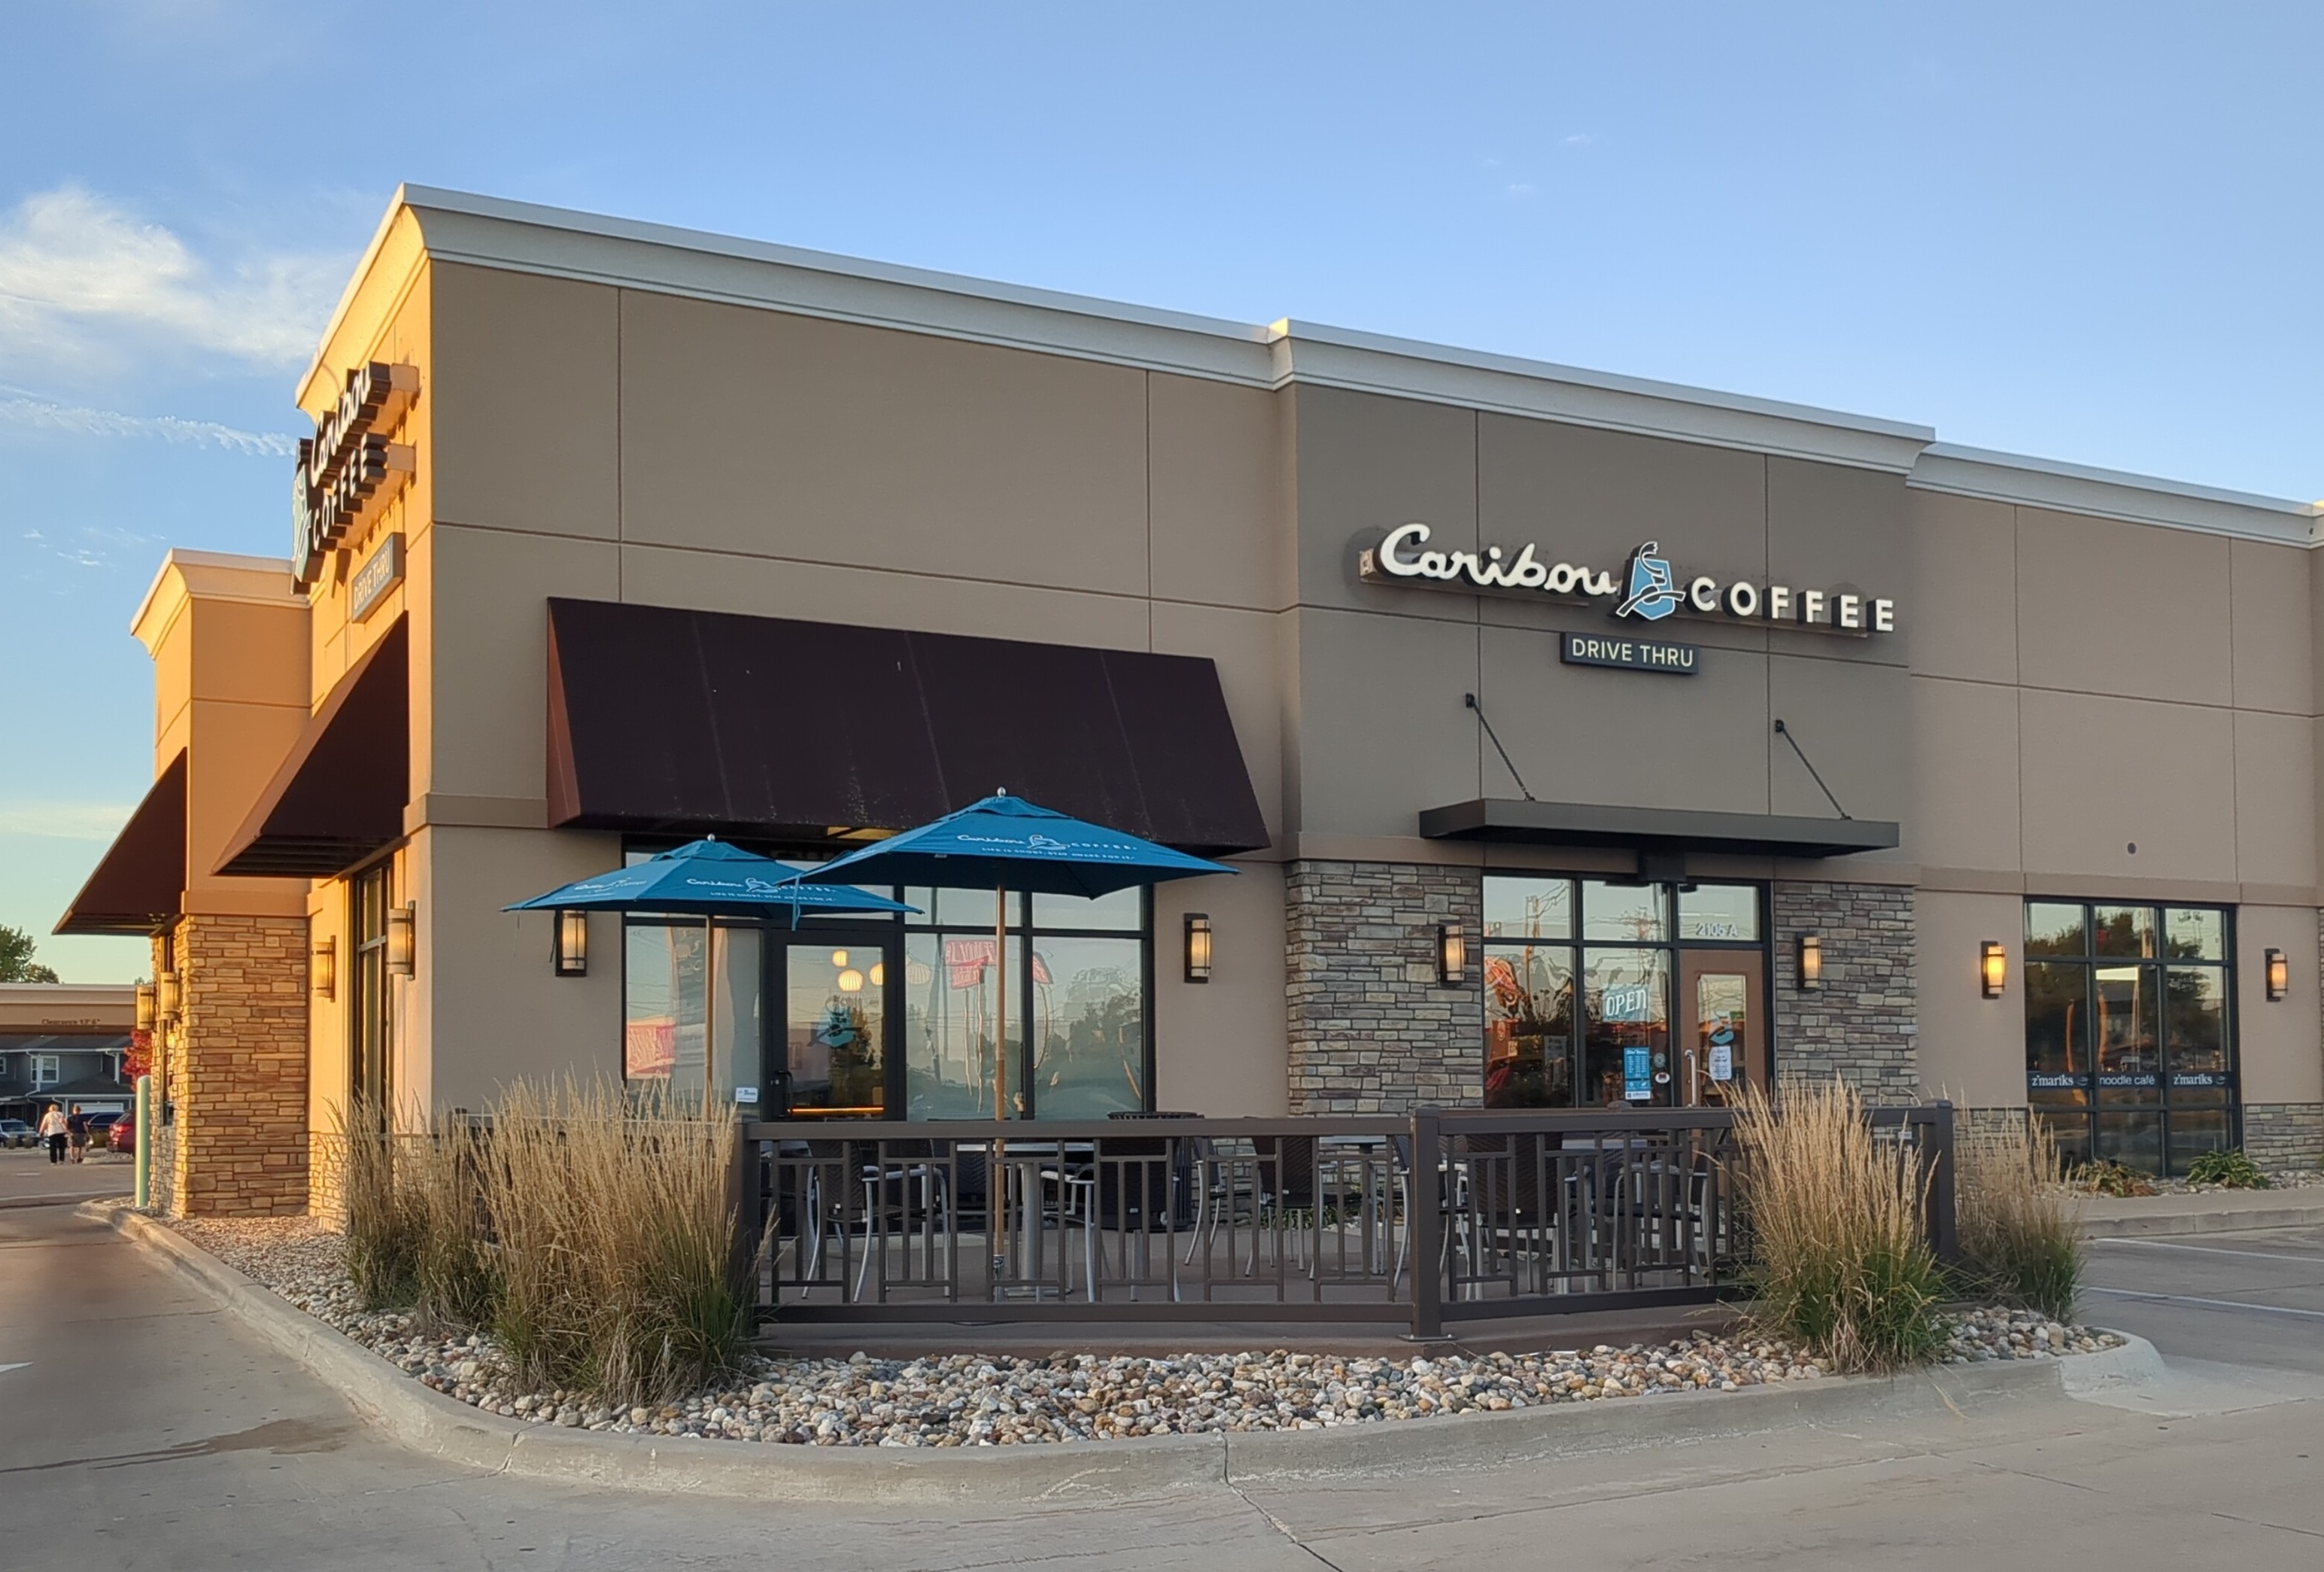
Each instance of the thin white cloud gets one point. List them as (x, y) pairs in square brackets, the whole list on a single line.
[(39, 414), (77, 270), (64, 820)]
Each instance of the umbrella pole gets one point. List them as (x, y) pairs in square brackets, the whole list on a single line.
[(996, 1201), (709, 1012), (1000, 1005)]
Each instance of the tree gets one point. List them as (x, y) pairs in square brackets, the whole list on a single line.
[(16, 962)]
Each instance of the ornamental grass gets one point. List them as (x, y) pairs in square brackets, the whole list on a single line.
[(587, 1228), (1841, 1265), (2019, 1226), (612, 1233)]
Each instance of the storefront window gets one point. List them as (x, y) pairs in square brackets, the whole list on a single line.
[(2129, 1059), (1081, 985), (662, 1007), (1619, 1012)]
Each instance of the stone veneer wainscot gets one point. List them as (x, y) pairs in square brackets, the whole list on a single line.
[(1863, 1024), (1371, 1029)]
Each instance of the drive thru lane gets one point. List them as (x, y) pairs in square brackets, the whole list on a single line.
[(2251, 1299)]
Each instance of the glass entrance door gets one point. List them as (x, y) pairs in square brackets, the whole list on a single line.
[(832, 1055), (1722, 1026)]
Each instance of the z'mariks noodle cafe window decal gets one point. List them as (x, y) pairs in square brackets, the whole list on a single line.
[(348, 470), (1648, 588)]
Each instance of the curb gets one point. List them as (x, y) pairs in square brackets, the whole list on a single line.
[(19, 1203), (2290, 1214), (430, 1423)]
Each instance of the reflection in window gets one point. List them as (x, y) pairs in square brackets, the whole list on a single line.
[(2123, 930), (1528, 1026), (1519, 908), (1624, 913), (2196, 935), (1089, 1023), (948, 1012), (662, 1006), (2054, 929)]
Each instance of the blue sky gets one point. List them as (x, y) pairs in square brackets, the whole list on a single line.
[(2085, 231)]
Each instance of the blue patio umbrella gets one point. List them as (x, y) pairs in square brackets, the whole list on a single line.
[(1011, 844), (707, 879)]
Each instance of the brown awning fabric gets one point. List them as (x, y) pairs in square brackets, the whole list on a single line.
[(687, 722), (140, 883), (339, 795)]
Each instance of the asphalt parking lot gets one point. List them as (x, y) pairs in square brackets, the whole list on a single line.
[(154, 1431), (2255, 1298)]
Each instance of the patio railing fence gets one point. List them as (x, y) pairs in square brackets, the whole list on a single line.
[(1444, 1217)]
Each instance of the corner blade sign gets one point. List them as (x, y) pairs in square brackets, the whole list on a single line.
[(1648, 588), (348, 470)]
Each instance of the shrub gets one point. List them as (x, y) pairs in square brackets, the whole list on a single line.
[(2104, 1177), (2231, 1169), (612, 1232), (1841, 1265), (2020, 1232)]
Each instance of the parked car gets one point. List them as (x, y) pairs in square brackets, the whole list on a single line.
[(95, 1125), (16, 1132), (122, 1134)]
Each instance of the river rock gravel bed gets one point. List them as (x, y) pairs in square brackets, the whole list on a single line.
[(970, 1399)]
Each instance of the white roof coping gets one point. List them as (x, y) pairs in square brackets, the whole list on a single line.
[(492, 232), (2113, 493), (459, 226)]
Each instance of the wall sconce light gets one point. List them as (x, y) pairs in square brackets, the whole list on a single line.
[(1811, 963), (1198, 947), (165, 997), (2279, 975), (322, 968), (572, 955), (402, 951), (1452, 954), (1992, 967), (144, 1006)]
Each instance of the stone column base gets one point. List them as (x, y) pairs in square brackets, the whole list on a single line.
[(241, 1068)]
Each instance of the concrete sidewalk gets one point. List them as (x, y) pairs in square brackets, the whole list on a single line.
[(2212, 1212)]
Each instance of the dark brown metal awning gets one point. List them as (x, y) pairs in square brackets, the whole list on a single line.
[(140, 884), (672, 721), (339, 795), (1654, 829)]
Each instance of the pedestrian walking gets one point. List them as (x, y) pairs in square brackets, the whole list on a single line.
[(76, 1135), (55, 1131)]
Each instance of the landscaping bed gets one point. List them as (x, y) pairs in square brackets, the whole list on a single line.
[(968, 1400)]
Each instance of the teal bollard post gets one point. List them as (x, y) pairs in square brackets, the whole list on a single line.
[(145, 1141)]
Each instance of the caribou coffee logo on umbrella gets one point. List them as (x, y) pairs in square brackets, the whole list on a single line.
[(1651, 588)]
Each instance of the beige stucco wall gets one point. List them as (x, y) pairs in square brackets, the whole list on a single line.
[(2060, 687), (1375, 660), (577, 439)]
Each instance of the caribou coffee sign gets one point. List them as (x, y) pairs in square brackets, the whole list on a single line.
[(348, 471), (1648, 588)]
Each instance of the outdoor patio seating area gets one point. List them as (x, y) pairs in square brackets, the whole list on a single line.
[(1443, 1216)]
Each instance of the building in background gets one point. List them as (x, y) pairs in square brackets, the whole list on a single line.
[(65, 1042), (1579, 739)]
